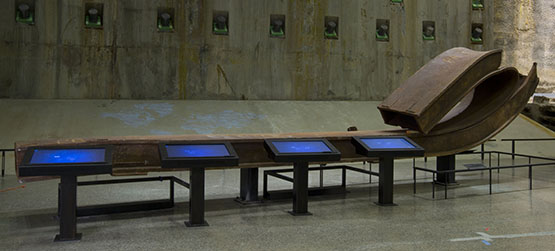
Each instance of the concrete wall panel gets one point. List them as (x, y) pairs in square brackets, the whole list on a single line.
[(130, 59)]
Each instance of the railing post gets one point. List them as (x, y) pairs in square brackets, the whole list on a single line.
[(413, 175), (370, 169), (322, 175), (265, 193), (513, 149), (530, 171), (433, 185), (172, 194), (343, 177)]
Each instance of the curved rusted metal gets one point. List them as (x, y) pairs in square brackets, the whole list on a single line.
[(430, 93), (455, 102), (490, 112)]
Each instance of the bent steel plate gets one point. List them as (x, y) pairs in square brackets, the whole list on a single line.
[(430, 93), (483, 122)]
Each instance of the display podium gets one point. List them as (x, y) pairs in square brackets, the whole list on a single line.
[(68, 163), (196, 156), (387, 148), (300, 152)]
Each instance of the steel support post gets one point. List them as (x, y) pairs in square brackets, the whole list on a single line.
[(68, 209), (445, 163), (196, 198), (385, 193), (248, 186), (300, 189)]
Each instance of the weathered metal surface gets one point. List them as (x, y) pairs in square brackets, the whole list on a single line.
[(139, 154), (130, 59), (496, 100), (487, 116), (428, 95)]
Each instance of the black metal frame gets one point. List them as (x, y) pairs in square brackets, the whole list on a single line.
[(312, 191), (436, 173), (513, 143), (77, 169), (192, 162), (129, 206), (4, 159), (367, 151), (277, 156), (68, 210)]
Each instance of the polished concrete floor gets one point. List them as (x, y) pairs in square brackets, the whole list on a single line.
[(513, 217)]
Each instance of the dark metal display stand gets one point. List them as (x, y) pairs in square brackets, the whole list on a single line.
[(68, 163), (300, 152), (196, 156), (386, 148)]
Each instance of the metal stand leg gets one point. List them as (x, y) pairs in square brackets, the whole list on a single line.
[(249, 186), (68, 203), (385, 193), (370, 170), (300, 189), (3, 162), (196, 198), (446, 163)]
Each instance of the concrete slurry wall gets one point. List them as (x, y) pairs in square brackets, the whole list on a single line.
[(524, 29), (130, 59)]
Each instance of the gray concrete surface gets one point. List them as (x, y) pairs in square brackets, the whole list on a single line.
[(512, 218), (129, 59)]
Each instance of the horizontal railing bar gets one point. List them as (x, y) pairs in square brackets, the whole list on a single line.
[(119, 181), (482, 169), (532, 139), (279, 176)]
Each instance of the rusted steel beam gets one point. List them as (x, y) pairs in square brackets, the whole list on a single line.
[(485, 117), (487, 105), (428, 95), (139, 154)]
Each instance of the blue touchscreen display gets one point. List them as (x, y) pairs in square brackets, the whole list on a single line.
[(67, 156), (301, 147), (197, 151), (387, 143)]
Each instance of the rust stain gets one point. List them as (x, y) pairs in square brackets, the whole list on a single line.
[(182, 53), (182, 71)]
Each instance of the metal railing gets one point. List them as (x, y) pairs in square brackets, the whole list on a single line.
[(513, 143), (489, 168)]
